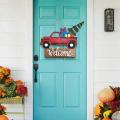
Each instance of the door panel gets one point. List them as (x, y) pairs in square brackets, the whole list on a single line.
[(44, 12), (47, 90), (60, 91), (71, 90)]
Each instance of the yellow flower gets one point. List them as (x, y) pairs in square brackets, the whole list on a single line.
[(107, 113), (97, 109), (2, 70)]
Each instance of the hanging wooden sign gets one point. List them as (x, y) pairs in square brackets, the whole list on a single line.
[(64, 37), (60, 53)]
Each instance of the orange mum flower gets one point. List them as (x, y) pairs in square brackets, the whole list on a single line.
[(19, 82), (1, 76), (8, 81), (2, 92), (7, 71)]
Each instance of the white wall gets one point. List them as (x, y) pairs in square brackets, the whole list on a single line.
[(107, 47), (16, 48)]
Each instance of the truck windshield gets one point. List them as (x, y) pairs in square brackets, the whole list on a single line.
[(55, 35)]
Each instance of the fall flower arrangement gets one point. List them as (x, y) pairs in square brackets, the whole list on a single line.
[(9, 87), (109, 106)]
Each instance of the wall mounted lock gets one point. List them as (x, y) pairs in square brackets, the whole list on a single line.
[(109, 20)]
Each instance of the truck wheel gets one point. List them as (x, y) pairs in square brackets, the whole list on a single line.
[(46, 44), (71, 45)]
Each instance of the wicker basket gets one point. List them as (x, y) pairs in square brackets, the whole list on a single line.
[(12, 100)]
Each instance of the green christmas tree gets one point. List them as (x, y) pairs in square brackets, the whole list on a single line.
[(75, 28)]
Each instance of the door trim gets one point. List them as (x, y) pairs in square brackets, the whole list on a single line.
[(90, 58), (29, 58)]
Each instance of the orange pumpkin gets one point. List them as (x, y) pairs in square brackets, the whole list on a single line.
[(106, 119), (106, 95), (3, 117)]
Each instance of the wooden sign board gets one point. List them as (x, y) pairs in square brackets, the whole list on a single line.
[(60, 53)]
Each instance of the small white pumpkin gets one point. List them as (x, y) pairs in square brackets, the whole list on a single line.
[(116, 115)]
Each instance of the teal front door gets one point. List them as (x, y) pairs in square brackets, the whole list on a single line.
[(60, 87)]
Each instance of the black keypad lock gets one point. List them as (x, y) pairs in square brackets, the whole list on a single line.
[(109, 20)]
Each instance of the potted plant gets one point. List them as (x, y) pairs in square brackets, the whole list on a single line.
[(109, 106), (11, 91)]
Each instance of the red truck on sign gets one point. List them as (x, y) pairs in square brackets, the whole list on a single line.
[(55, 39)]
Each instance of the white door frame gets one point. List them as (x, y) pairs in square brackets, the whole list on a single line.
[(90, 59), (29, 58)]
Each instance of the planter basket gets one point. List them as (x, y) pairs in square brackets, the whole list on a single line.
[(12, 100)]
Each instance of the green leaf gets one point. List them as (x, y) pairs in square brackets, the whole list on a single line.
[(10, 90)]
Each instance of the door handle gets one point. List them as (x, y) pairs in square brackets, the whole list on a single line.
[(35, 69)]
